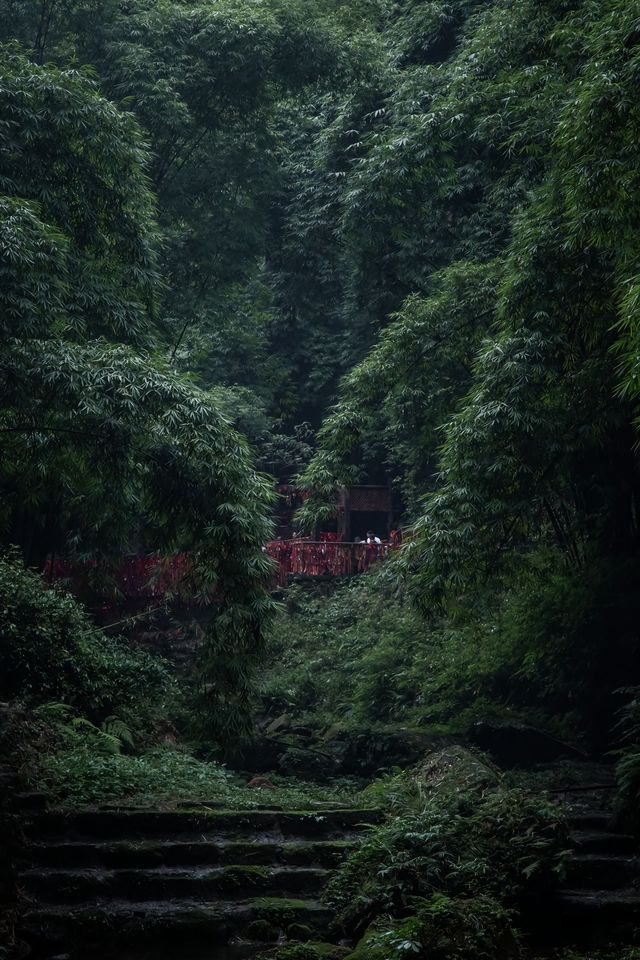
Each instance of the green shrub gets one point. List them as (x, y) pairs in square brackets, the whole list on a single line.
[(443, 929), (79, 763), (443, 879), (87, 771), (349, 656), (527, 648), (465, 843), (50, 651)]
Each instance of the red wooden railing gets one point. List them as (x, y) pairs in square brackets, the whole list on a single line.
[(324, 558), (147, 578), (140, 578)]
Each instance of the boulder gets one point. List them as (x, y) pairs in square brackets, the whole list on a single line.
[(261, 783), (278, 725), (304, 733), (368, 753), (289, 755), (519, 745), (458, 768), (307, 763)]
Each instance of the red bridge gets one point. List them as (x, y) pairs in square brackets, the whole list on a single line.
[(325, 558), (140, 580), (133, 582)]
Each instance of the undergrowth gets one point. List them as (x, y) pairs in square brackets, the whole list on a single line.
[(443, 929), (78, 763), (163, 777), (445, 876), (525, 651), (51, 651), (604, 953), (460, 843)]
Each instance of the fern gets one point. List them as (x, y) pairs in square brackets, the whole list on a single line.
[(54, 712), (628, 774), (114, 727), (103, 742)]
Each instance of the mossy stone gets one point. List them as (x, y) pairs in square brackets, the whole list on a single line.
[(242, 875), (280, 910), (457, 767), (299, 931), (306, 951)]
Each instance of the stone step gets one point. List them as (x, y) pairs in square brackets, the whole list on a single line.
[(183, 923), (162, 883), (237, 949), (588, 918), (30, 801), (612, 902), (590, 819), (599, 841), (8, 780), (201, 824), (601, 871), (119, 854), (597, 916)]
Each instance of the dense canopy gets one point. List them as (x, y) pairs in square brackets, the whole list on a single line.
[(267, 266), (103, 443), (408, 225)]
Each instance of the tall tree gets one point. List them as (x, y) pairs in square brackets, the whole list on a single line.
[(102, 440), (518, 148)]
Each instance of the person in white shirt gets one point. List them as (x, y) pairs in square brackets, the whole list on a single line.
[(371, 538)]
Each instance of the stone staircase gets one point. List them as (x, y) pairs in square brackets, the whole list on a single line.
[(599, 900), (232, 882)]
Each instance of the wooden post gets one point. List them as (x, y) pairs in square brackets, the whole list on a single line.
[(344, 516)]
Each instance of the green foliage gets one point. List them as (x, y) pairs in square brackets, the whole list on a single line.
[(485, 133), (458, 843), (412, 376), (77, 213), (101, 438), (351, 655), (431, 204), (445, 875), (85, 772), (443, 929), (49, 651), (205, 81), (78, 764), (113, 440), (528, 648), (108, 738)]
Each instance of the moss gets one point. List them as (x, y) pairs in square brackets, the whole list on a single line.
[(469, 929), (299, 931), (329, 854), (243, 876), (456, 767), (329, 951), (281, 911), (306, 951)]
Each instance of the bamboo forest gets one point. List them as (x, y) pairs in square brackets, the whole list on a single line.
[(320, 479)]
